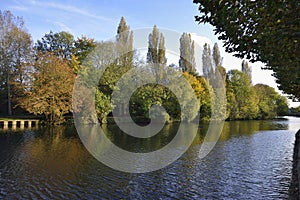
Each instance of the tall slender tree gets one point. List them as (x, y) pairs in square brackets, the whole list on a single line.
[(207, 61), (247, 70), (220, 72), (124, 45), (187, 53), (156, 55), (217, 56)]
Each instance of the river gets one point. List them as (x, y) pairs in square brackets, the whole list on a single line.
[(252, 160)]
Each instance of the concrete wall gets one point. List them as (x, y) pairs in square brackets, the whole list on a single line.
[(294, 187)]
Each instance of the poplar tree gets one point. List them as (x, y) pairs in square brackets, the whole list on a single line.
[(124, 41), (207, 61), (187, 54), (247, 70), (220, 72), (156, 55), (216, 55)]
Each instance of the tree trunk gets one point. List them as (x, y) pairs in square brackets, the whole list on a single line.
[(9, 110)]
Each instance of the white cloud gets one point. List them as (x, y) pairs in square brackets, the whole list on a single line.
[(74, 10), (63, 26), (19, 8), (200, 40), (67, 8)]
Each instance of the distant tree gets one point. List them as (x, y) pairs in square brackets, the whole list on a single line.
[(60, 44), (63, 45), (203, 93), (103, 105), (220, 73), (282, 105), (217, 56), (206, 99), (218, 80), (101, 72), (266, 101), (103, 55), (216, 76), (15, 51), (82, 47), (152, 94), (187, 53), (156, 55), (144, 97), (195, 83), (232, 110), (247, 69), (241, 99), (50, 91), (207, 62), (270, 103), (124, 45), (125, 51), (175, 67), (296, 110), (266, 31)]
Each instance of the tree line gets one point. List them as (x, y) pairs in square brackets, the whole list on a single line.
[(38, 78)]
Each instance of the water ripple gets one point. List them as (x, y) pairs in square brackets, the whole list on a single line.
[(247, 163)]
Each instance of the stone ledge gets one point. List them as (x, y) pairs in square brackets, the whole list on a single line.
[(294, 192)]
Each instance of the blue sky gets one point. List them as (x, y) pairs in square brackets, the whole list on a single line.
[(99, 20)]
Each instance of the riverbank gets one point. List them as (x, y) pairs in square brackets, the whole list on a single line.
[(294, 187)]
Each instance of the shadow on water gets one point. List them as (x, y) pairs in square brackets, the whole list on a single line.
[(242, 128)]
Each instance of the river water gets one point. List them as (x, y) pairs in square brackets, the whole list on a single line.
[(252, 160)]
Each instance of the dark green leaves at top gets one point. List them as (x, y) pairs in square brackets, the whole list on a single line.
[(266, 31)]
